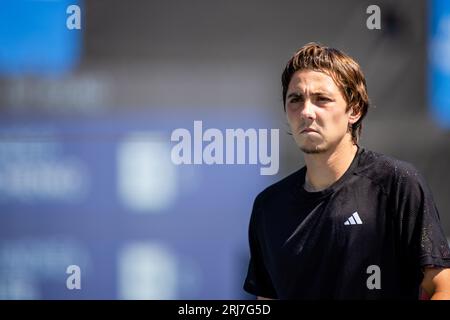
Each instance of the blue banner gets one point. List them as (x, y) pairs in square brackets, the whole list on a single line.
[(439, 62)]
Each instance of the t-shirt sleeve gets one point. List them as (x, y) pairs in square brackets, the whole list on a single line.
[(258, 281), (422, 233)]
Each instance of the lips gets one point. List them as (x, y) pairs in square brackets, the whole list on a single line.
[(308, 130)]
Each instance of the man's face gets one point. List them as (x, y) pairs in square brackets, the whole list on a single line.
[(316, 111)]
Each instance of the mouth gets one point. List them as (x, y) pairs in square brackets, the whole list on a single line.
[(308, 130)]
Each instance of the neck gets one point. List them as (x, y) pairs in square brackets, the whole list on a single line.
[(323, 169)]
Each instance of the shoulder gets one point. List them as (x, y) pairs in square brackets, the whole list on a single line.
[(282, 189), (386, 171)]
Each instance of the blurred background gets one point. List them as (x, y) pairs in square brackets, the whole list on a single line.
[(87, 112)]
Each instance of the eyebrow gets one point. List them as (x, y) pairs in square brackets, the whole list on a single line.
[(318, 92)]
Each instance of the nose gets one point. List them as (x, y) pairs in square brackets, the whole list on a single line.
[(308, 110)]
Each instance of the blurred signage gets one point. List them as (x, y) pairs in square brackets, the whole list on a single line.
[(439, 62), (36, 37)]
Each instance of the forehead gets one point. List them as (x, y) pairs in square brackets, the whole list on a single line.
[(309, 80)]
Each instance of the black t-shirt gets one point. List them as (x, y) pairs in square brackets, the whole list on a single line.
[(367, 236)]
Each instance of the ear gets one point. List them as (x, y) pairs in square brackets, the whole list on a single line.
[(354, 114)]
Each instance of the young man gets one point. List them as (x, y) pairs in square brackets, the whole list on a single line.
[(352, 223)]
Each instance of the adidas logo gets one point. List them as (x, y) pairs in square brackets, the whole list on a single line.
[(354, 219)]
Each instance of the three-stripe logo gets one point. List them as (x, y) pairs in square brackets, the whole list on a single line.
[(354, 219)]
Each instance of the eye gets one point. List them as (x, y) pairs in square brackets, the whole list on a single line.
[(324, 99), (296, 99)]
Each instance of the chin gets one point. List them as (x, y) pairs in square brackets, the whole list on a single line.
[(310, 147), (313, 149)]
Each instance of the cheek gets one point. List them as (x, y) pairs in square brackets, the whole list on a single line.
[(338, 121), (341, 123), (291, 116)]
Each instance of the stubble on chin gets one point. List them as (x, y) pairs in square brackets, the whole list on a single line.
[(312, 150)]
